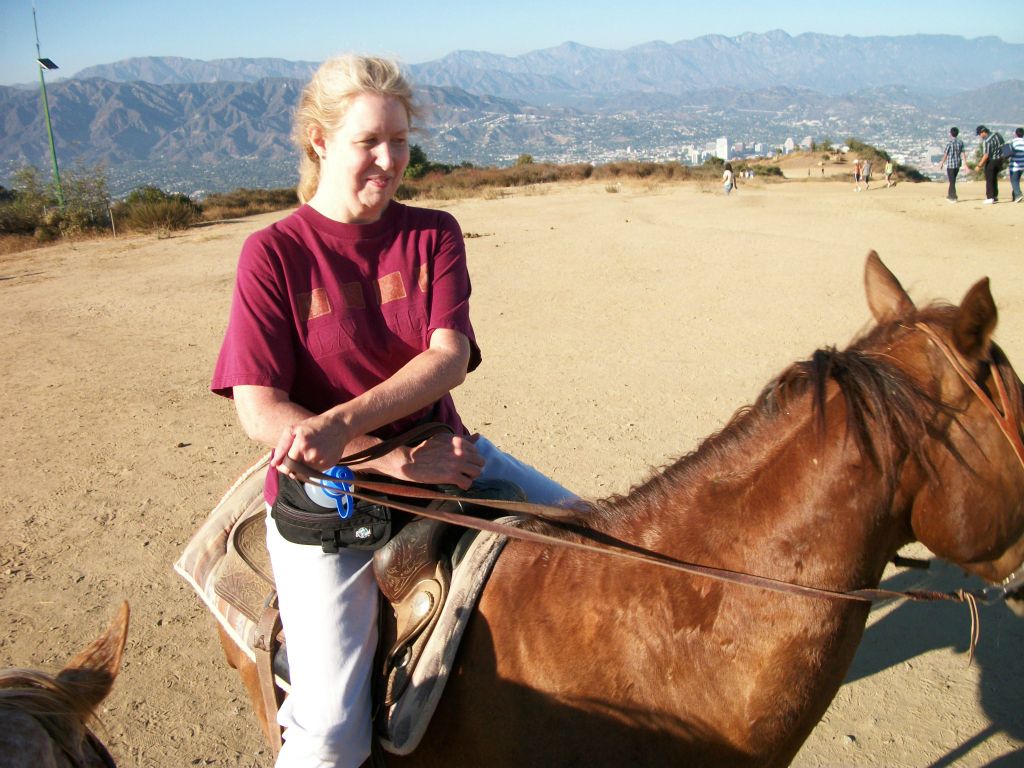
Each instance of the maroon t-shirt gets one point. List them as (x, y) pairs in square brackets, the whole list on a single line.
[(324, 311)]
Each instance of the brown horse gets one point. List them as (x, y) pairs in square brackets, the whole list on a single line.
[(44, 719), (575, 658), (578, 659)]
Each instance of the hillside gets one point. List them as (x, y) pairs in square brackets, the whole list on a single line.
[(825, 63), (195, 125)]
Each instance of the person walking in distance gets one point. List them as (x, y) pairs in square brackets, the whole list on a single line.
[(1016, 163), (728, 179), (991, 163), (952, 160)]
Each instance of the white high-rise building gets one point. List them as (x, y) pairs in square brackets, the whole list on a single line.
[(722, 148)]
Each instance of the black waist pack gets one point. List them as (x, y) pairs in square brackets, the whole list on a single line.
[(300, 520)]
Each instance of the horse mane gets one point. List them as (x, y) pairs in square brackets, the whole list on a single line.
[(887, 413), (52, 702)]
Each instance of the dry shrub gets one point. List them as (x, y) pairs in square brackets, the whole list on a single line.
[(247, 202), (161, 215), (492, 183), (16, 243)]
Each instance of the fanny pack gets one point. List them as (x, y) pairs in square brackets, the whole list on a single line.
[(326, 517), (323, 515)]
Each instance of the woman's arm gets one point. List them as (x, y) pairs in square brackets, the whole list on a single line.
[(319, 440)]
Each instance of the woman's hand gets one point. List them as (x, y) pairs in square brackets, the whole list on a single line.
[(318, 442), (441, 460)]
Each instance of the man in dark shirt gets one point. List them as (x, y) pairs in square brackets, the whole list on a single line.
[(990, 162)]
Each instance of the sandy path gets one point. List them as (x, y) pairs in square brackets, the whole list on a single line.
[(617, 329)]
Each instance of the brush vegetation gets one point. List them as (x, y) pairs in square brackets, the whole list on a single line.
[(30, 214)]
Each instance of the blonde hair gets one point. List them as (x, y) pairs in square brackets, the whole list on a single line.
[(325, 100)]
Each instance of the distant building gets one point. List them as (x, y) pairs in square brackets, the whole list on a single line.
[(788, 145), (722, 148), (807, 143)]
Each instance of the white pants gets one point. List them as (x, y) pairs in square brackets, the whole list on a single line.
[(329, 611)]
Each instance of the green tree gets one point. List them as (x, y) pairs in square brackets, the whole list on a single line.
[(31, 190), (24, 212), (867, 151), (147, 194), (524, 159), (86, 199), (419, 164)]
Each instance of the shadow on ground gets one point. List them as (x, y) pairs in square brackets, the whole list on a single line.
[(913, 629)]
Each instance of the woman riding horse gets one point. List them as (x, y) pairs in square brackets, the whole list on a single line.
[(350, 323)]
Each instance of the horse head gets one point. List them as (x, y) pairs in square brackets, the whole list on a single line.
[(965, 491), (44, 718)]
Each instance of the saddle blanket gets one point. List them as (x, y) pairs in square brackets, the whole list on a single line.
[(206, 555)]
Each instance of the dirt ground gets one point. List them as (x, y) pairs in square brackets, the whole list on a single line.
[(619, 325)]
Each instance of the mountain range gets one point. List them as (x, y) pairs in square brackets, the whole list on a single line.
[(191, 124)]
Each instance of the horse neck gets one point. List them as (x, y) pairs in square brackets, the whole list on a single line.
[(769, 497)]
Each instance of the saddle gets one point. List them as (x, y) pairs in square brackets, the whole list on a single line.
[(414, 571)]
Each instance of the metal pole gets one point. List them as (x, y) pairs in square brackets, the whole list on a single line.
[(46, 112)]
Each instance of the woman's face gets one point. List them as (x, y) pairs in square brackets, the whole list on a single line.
[(365, 158)]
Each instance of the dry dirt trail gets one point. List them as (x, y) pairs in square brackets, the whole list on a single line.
[(617, 330)]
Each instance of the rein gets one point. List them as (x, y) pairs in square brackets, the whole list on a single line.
[(1003, 418), (616, 549)]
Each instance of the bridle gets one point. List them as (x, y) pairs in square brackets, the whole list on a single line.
[(1003, 417)]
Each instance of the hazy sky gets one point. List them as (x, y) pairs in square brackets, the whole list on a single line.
[(80, 33)]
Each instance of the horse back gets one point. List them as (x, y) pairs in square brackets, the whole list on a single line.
[(586, 655)]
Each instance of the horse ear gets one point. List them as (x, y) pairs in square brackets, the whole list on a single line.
[(90, 675), (886, 297), (975, 321)]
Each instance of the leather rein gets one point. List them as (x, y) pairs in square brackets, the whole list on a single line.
[(368, 490)]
